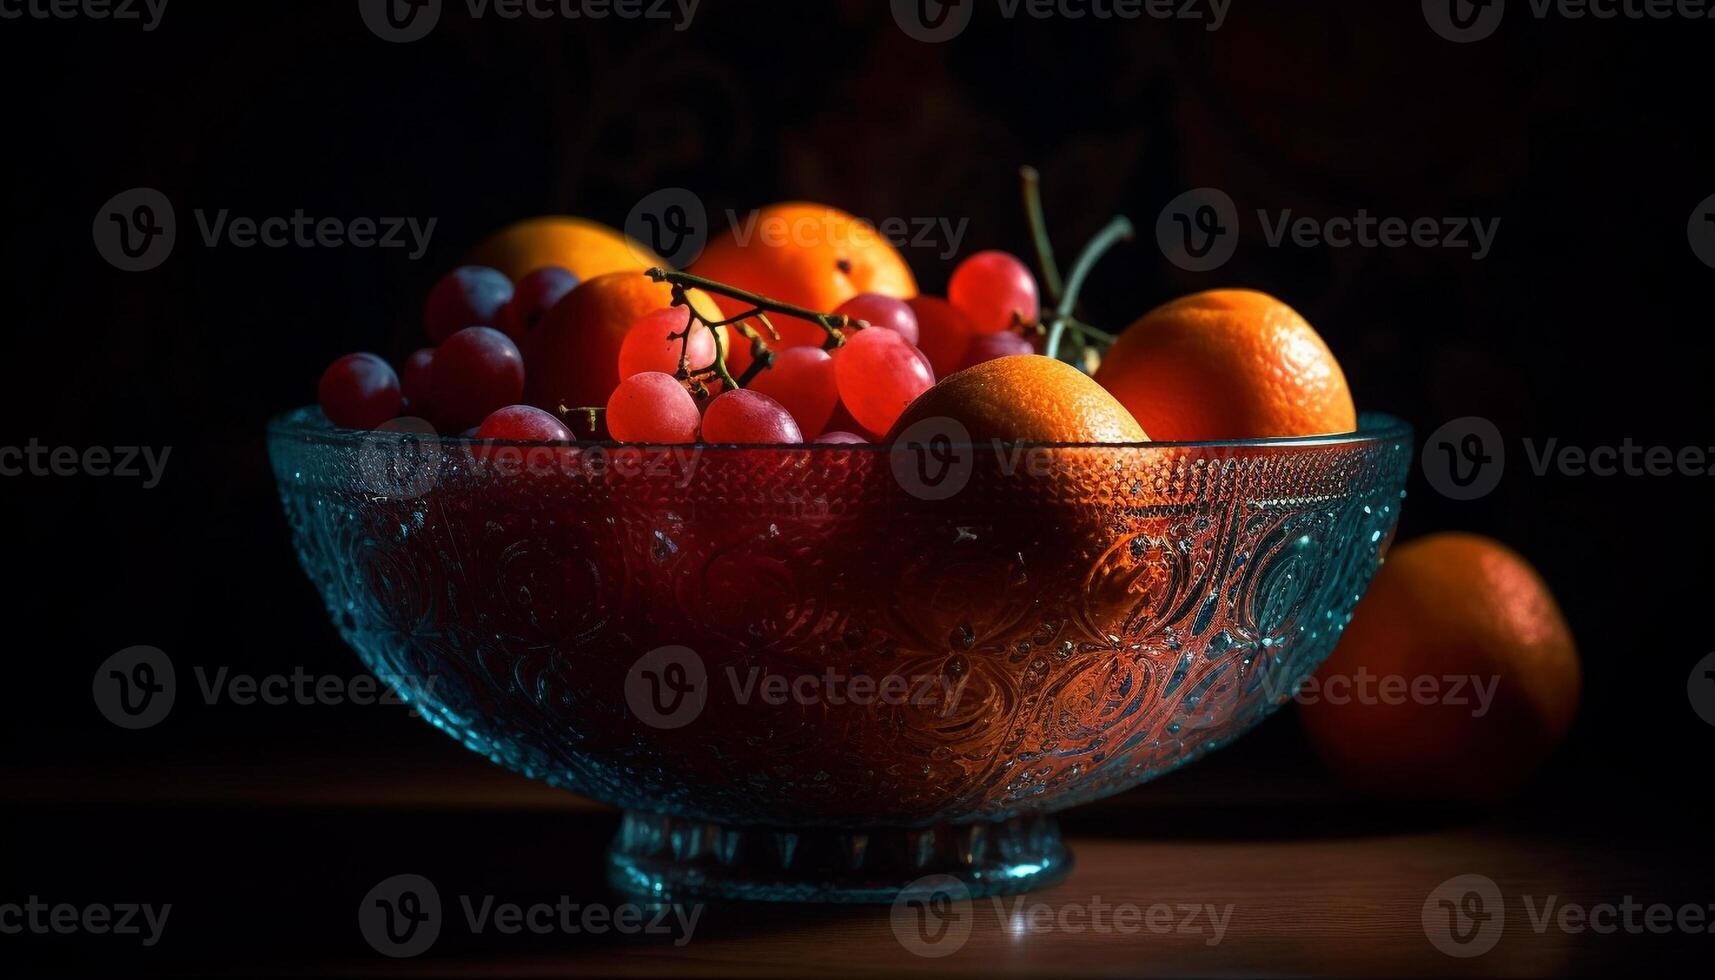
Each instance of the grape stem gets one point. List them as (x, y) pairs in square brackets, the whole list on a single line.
[(760, 306), (1062, 298), (1031, 184)]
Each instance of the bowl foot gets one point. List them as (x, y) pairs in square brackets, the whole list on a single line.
[(675, 859)]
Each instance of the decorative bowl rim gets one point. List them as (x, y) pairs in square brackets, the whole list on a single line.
[(1373, 428)]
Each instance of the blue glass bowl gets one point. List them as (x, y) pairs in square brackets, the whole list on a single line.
[(825, 672)]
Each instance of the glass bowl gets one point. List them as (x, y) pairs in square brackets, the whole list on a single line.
[(826, 672)]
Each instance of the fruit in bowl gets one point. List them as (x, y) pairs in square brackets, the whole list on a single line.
[(821, 672), (820, 623)]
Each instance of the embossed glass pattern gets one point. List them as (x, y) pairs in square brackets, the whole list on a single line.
[(1103, 613)]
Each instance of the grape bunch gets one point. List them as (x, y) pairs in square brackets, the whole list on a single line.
[(673, 382)]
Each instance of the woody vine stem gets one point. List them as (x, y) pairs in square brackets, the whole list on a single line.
[(760, 306), (1060, 308), (1058, 317)]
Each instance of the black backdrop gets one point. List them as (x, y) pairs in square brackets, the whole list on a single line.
[(1588, 322)]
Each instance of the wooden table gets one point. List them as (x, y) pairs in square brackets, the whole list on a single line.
[(1219, 871)]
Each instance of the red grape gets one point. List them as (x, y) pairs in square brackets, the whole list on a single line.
[(993, 289), (882, 311), (476, 371), (534, 295), (652, 407), (646, 347), (945, 333), (469, 296), (988, 346), (749, 416), (414, 379), (523, 423), (359, 391), (841, 439), (801, 379), (879, 374)]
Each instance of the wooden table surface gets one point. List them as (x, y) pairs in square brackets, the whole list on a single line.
[(1221, 873)]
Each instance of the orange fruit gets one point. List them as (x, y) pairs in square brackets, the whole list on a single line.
[(1025, 398), (587, 248), (573, 356), (808, 255), (1228, 364), (1471, 624)]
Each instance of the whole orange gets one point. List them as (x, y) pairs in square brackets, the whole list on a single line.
[(1228, 364), (587, 248), (1025, 398), (573, 357), (1455, 678), (808, 255)]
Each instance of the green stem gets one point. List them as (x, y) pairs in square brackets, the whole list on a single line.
[(1117, 230), (1030, 182)]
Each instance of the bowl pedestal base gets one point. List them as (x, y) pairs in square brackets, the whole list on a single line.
[(675, 859)]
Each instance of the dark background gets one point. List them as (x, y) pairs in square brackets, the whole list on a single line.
[(1588, 322)]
